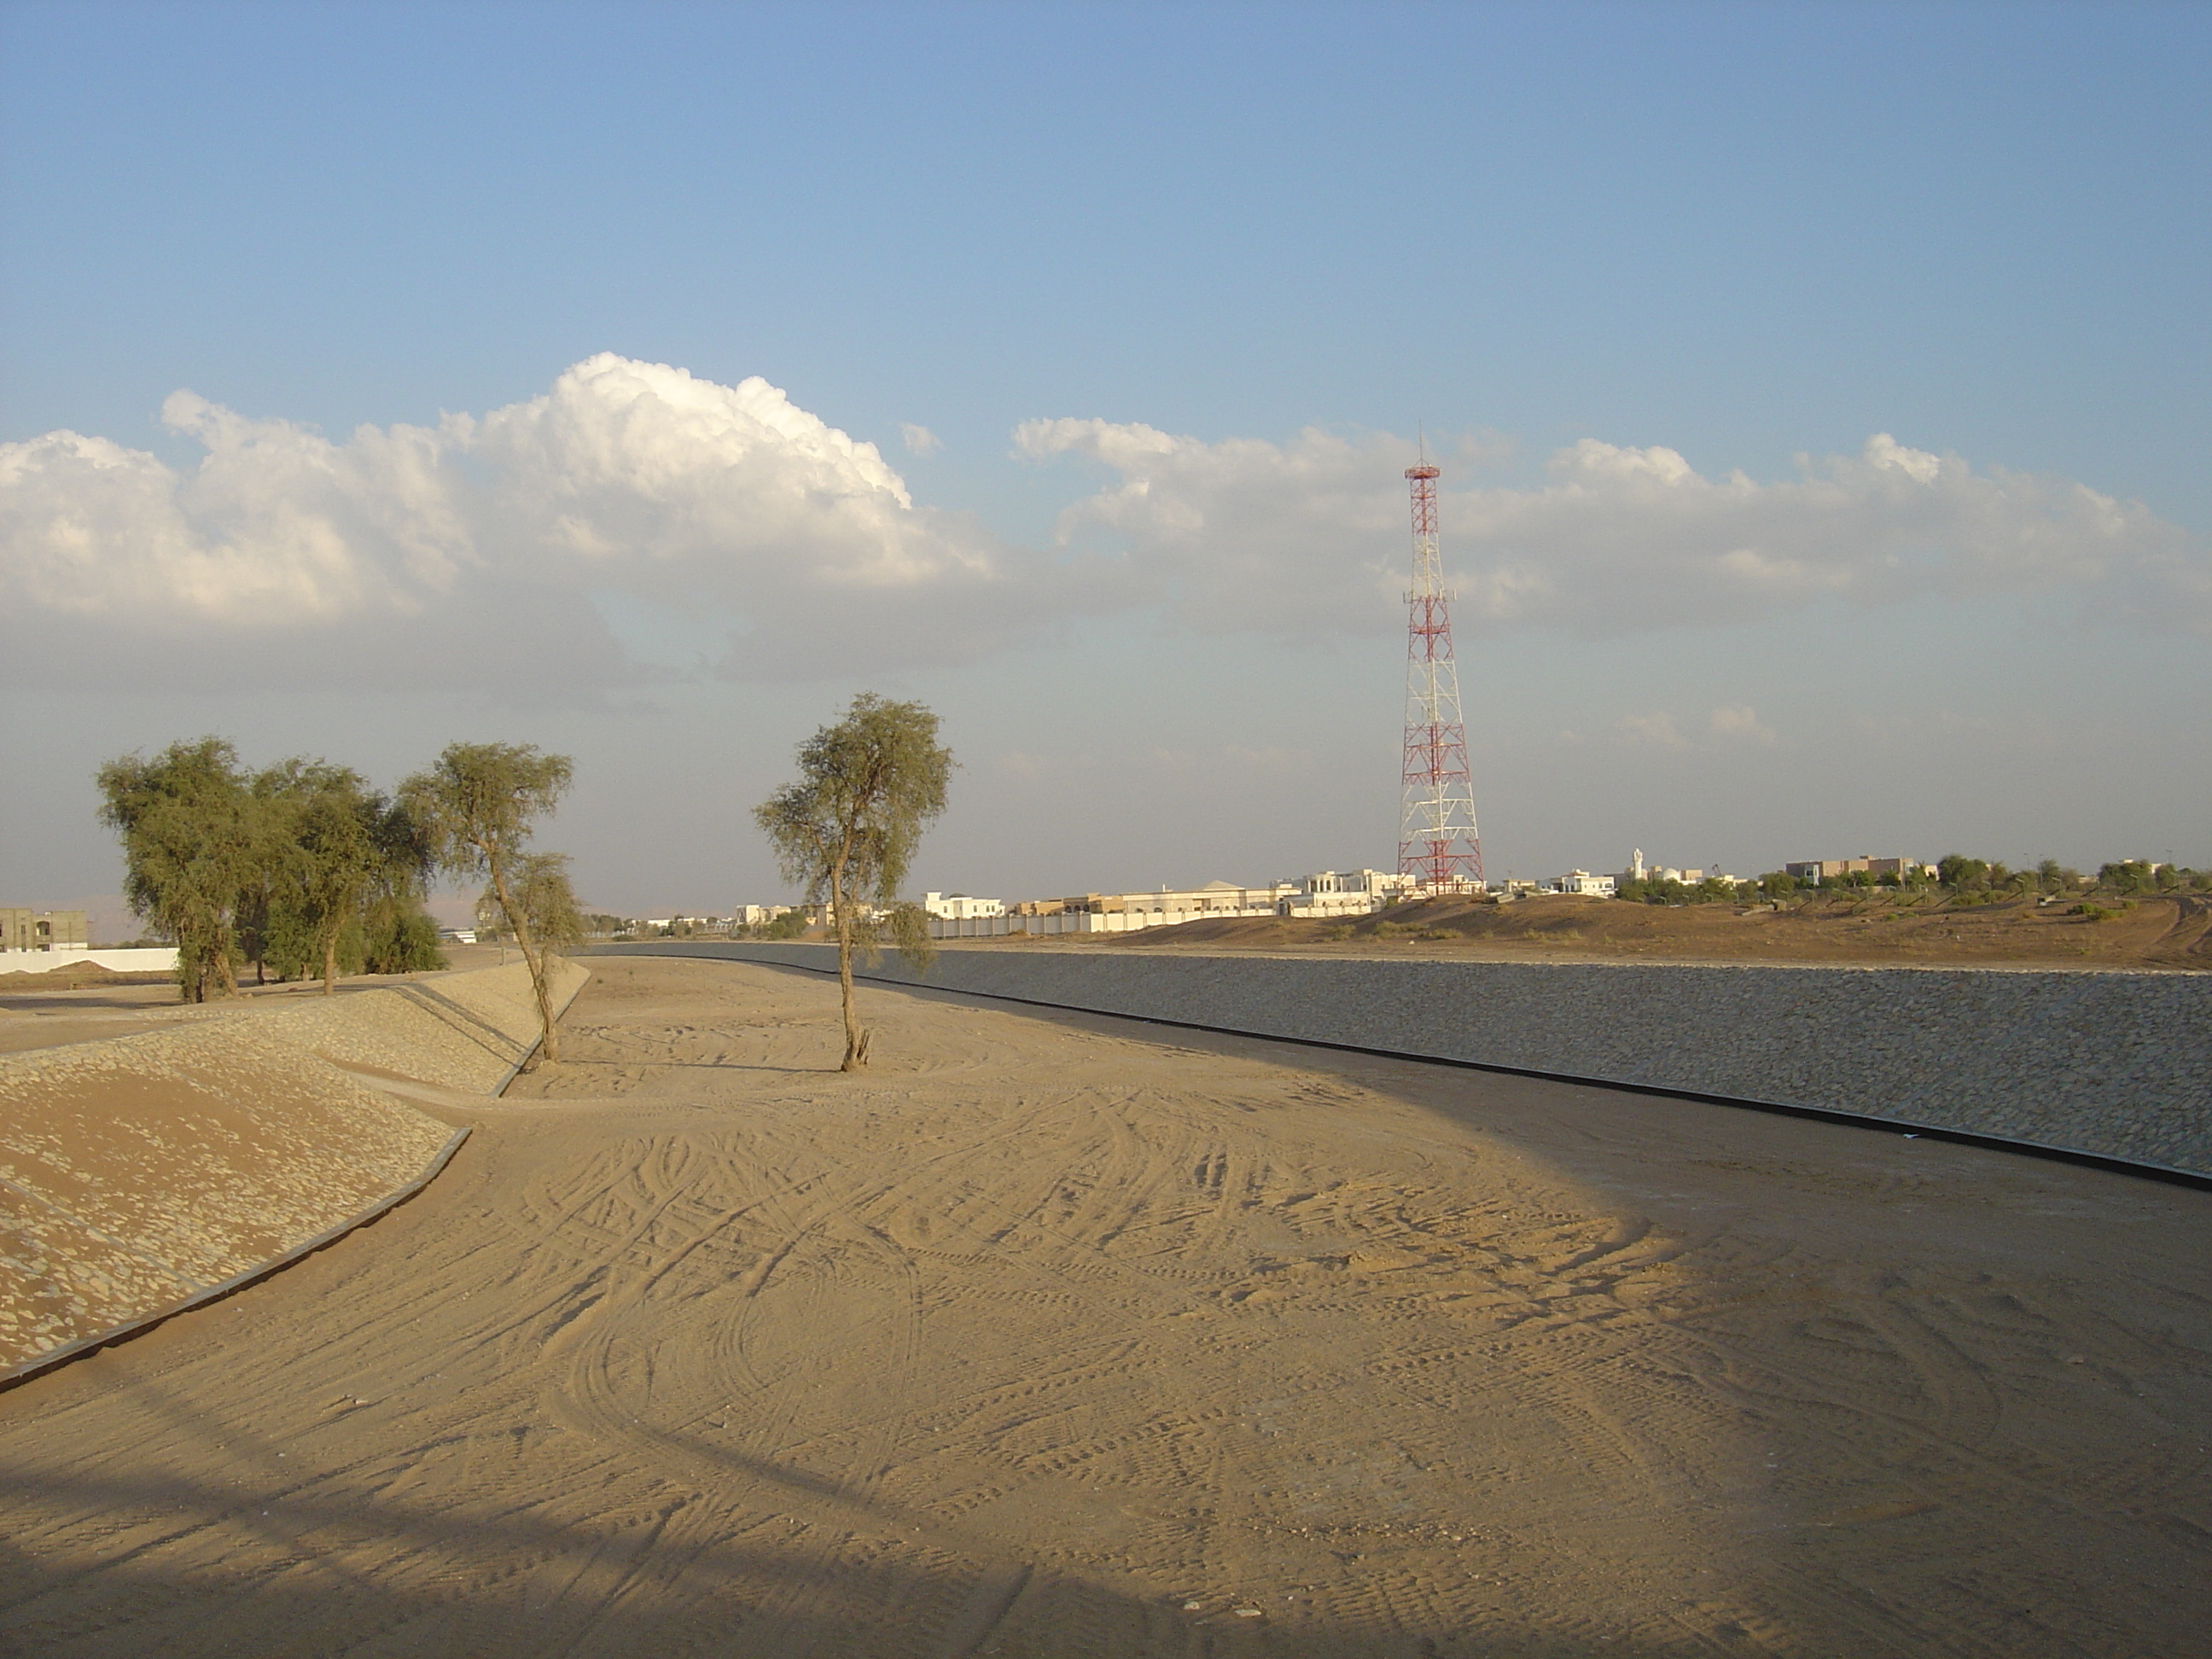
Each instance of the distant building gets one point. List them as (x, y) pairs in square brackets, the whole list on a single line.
[(1688, 876), (1348, 893), (1818, 870), (1115, 913), (1822, 870), (823, 913), (959, 906), (1586, 885), (1216, 898), (42, 930)]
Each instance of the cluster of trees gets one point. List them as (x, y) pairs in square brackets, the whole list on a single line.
[(300, 868), (303, 868), (1713, 889), (2132, 876), (792, 924)]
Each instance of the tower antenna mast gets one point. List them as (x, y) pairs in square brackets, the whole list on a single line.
[(1437, 845)]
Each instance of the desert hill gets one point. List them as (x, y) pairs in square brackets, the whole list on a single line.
[(1877, 930)]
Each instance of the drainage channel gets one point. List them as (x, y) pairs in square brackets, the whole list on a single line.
[(1902, 1128)]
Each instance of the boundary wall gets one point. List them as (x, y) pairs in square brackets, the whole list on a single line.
[(141, 1175), (2112, 1066), (130, 959), (1074, 922)]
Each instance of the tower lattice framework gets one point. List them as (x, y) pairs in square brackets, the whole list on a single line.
[(1437, 845)]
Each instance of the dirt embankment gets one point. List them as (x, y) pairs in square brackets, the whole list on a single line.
[(76, 976), (1886, 932)]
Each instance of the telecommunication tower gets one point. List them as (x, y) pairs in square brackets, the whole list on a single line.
[(1436, 842)]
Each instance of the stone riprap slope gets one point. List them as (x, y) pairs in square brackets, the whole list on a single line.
[(139, 1173), (2117, 1064)]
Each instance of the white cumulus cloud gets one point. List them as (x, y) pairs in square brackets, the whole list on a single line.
[(630, 478), (1311, 533), (1739, 723), (638, 520), (1656, 730)]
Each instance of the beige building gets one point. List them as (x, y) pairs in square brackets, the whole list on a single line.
[(1116, 913), (1826, 870), (1216, 898), (1344, 893), (42, 930), (960, 907)]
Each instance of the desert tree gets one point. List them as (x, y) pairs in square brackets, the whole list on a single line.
[(1962, 874), (397, 936), (846, 830), (549, 902), (269, 929), (192, 840), (339, 881), (476, 810)]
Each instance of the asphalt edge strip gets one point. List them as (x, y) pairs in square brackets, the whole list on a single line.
[(2139, 1168)]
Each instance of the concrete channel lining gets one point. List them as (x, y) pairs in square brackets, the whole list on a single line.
[(2104, 1065), (146, 1175)]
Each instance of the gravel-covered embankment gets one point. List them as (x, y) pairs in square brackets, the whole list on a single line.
[(145, 1173)]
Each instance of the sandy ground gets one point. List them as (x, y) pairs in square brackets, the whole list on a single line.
[(1067, 1336)]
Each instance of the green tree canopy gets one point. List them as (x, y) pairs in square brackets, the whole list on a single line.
[(1961, 873), (549, 902), (338, 853), (848, 828), (193, 840)]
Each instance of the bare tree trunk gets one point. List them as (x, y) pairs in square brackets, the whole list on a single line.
[(331, 962), (856, 1040), (532, 957)]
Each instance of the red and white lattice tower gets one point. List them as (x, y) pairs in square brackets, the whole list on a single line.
[(1436, 842)]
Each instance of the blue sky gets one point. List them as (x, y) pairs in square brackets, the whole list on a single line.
[(1740, 234)]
